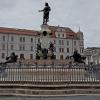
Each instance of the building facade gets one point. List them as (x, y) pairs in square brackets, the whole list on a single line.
[(92, 55), (23, 42)]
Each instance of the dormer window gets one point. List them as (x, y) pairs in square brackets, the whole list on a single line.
[(60, 30)]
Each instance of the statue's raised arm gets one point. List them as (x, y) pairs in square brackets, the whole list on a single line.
[(46, 11)]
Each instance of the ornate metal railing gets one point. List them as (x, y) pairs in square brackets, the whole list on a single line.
[(50, 73)]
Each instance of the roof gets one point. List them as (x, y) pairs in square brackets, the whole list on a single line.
[(68, 31), (17, 31), (93, 48)]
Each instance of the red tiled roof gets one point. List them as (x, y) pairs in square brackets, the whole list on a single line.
[(68, 31), (18, 31)]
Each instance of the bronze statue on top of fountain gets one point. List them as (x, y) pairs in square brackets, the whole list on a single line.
[(46, 12)]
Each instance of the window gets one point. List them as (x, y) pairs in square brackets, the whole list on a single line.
[(62, 35), (62, 49), (38, 40), (31, 40), (67, 43), (62, 42), (67, 50), (81, 50), (59, 49), (74, 42), (59, 42), (3, 38), (31, 48), (23, 39), (23, 47), (3, 46), (58, 35), (3, 55), (12, 38), (31, 56), (12, 47), (20, 39), (20, 47)]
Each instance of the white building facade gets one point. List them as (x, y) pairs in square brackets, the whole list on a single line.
[(92, 55), (23, 42)]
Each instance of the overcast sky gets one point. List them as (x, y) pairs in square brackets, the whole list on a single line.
[(67, 13)]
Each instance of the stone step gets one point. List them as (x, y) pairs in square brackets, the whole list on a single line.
[(50, 83), (30, 92), (24, 89), (49, 87)]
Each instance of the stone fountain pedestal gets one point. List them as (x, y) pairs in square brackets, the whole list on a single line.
[(45, 47)]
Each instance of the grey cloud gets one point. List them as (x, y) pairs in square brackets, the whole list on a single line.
[(7, 4)]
